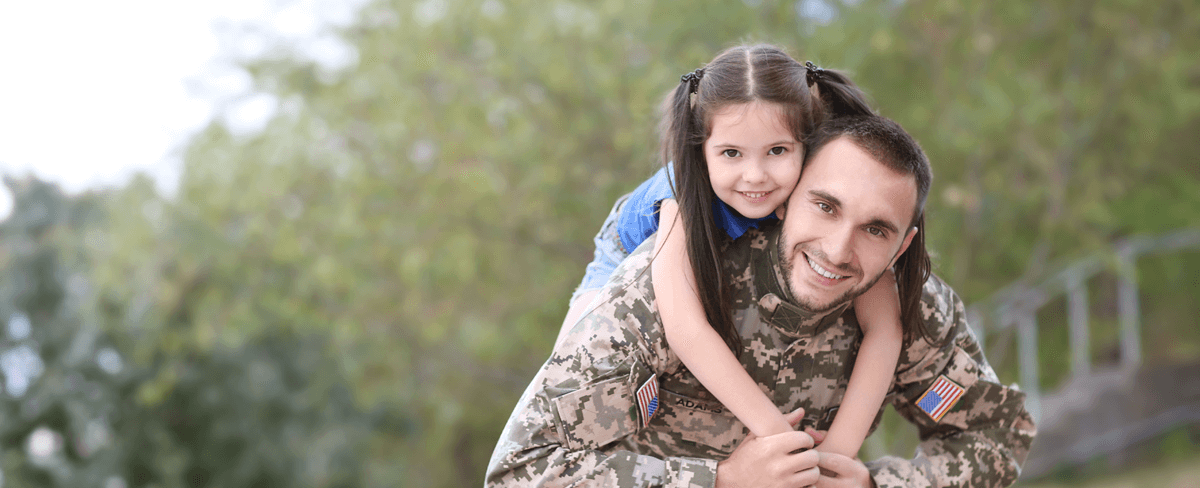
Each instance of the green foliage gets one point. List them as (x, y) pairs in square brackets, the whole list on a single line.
[(358, 294), (261, 412)]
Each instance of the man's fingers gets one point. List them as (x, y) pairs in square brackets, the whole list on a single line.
[(800, 469), (807, 477), (841, 471), (789, 442), (780, 460), (837, 463)]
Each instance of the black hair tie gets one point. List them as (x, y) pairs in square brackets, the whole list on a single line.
[(693, 79), (814, 73)]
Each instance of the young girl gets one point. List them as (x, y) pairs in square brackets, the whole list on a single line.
[(735, 130)]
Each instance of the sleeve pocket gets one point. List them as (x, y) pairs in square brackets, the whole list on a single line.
[(596, 414), (964, 371)]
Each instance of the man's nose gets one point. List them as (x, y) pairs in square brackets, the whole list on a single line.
[(839, 246)]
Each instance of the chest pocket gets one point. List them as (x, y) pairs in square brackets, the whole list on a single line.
[(707, 423)]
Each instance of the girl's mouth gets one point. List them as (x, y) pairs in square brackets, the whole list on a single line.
[(755, 195)]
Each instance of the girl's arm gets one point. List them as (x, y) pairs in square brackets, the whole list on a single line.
[(694, 340), (878, 312)]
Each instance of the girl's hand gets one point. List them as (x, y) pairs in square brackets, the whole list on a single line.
[(880, 304), (817, 435)]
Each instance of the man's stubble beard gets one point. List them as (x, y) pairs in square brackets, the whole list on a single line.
[(787, 264)]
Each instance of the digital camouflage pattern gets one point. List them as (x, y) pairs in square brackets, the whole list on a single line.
[(578, 422)]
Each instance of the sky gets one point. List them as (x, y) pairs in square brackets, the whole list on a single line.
[(93, 92)]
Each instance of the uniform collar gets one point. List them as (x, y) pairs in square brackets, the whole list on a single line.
[(773, 299)]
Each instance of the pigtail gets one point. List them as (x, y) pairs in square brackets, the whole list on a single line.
[(676, 126), (912, 270), (840, 97), (683, 146)]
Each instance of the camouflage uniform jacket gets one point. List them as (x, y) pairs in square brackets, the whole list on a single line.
[(579, 422)]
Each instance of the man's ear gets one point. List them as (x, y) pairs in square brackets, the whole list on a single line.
[(912, 232)]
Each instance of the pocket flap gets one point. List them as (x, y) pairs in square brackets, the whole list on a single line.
[(597, 414)]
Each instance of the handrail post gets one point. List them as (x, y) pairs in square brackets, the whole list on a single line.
[(1129, 308), (1077, 314)]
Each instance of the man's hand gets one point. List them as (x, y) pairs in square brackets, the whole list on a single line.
[(771, 461), (838, 471)]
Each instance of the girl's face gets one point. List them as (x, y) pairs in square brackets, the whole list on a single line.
[(753, 159)]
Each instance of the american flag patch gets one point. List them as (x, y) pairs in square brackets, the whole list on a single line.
[(938, 399), (647, 399)]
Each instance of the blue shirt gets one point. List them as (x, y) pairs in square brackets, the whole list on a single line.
[(639, 218)]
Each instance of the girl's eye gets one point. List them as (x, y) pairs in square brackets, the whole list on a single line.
[(777, 150), (731, 153)]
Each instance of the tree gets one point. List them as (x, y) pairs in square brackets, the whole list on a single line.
[(79, 413)]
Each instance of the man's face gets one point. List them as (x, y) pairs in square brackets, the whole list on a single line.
[(846, 223)]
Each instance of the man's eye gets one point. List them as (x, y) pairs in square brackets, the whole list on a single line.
[(731, 153), (875, 231), (777, 150), (824, 207)]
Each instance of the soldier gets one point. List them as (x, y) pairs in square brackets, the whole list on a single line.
[(614, 406)]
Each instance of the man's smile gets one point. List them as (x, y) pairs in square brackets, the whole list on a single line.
[(822, 271)]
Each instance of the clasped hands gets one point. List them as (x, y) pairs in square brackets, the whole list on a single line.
[(788, 460)]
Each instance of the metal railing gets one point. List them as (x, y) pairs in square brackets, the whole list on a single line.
[(1016, 307)]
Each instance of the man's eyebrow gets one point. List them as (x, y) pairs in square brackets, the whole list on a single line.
[(878, 222), (826, 196)]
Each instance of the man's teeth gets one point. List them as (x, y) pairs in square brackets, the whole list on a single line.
[(822, 271)]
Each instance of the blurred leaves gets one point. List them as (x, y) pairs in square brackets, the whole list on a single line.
[(270, 410)]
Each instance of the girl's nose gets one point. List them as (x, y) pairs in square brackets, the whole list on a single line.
[(754, 173)]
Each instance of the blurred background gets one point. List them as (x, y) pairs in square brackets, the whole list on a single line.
[(338, 250)]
